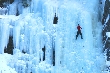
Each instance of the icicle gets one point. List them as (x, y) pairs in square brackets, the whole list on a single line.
[(16, 36)]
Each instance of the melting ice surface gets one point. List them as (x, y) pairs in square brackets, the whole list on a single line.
[(34, 29)]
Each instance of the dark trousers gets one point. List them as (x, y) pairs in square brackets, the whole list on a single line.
[(79, 32)]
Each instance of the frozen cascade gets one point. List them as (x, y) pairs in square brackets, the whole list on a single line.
[(34, 29)]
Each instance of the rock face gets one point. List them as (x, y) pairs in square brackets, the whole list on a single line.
[(106, 11), (4, 4), (3, 1), (106, 28)]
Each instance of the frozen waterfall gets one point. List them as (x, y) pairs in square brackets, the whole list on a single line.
[(43, 47)]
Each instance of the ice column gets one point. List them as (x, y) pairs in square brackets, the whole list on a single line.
[(4, 33)]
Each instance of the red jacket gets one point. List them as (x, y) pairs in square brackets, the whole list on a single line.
[(78, 27)]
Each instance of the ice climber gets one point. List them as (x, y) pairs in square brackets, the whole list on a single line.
[(55, 19), (79, 31)]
